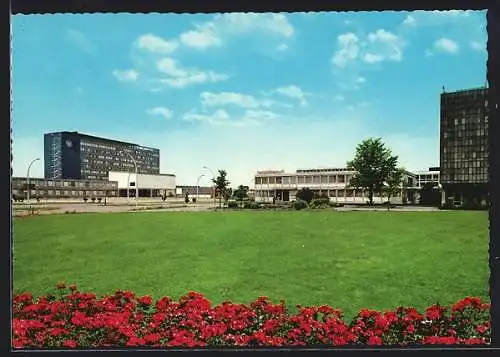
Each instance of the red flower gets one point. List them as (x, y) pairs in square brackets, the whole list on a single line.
[(410, 329), (435, 312), (69, 343), (375, 341), (145, 300)]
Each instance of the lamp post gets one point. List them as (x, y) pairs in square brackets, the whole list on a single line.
[(28, 179), (213, 177), (198, 187), (136, 178)]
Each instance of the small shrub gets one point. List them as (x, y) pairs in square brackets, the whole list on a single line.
[(186, 198), (93, 199), (252, 205), (193, 200), (299, 205), (85, 199), (99, 199), (232, 204), (323, 202)]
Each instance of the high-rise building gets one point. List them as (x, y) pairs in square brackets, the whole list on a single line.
[(464, 147), (72, 155)]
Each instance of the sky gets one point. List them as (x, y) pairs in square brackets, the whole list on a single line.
[(241, 91)]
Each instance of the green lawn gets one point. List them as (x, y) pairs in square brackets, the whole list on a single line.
[(348, 260)]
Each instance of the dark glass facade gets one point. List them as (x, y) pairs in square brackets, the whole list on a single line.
[(72, 155), (464, 137), (464, 147)]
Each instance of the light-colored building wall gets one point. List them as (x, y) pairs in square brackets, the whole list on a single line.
[(331, 182), (143, 181)]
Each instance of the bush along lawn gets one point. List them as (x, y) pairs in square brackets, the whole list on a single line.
[(80, 320)]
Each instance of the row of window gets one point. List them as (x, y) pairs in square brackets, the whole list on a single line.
[(67, 193), (331, 193), (301, 179)]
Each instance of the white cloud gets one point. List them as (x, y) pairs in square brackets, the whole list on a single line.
[(180, 77), (128, 75), (81, 40), (209, 99), (250, 22), (293, 91), (477, 46), (348, 49), (435, 17), (202, 37), (446, 45), (161, 111), (360, 80), (156, 44), (221, 117), (409, 21), (379, 46), (282, 47), (428, 53), (338, 98), (383, 46)]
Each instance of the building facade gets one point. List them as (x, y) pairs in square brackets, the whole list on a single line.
[(464, 146), (147, 185), (62, 188), (333, 182), (431, 176), (72, 155)]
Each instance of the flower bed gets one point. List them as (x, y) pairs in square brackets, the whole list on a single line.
[(80, 320)]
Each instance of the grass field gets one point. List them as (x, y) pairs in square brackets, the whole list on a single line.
[(348, 260)]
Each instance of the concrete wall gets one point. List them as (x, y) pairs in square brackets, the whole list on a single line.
[(143, 181)]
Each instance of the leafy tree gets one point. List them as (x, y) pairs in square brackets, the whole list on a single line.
[(373, 164), (186, 198), (305, 194), (393, 185), (221, 184), (429, 195), (228, 192), (241, 193)]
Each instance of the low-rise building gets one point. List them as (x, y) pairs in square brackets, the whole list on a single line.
[(62, 188), (148, 185), (333, 182), (432, 175)]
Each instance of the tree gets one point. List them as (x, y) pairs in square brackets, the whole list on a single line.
[(186, 198), (429, 195), (305, 194), (393, 185), (241, 193), (228, 192), (221, 183), (373, 163)]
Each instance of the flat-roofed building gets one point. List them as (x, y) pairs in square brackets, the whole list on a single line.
[(148, 185), (431, 176), (464, 146), (333, 182), (62, 188)]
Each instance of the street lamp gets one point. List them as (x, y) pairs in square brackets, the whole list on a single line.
[(198, 187), (28, 178), (213, 177), (136, 178)]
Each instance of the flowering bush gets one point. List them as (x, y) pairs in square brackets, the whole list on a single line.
[(80, 320)]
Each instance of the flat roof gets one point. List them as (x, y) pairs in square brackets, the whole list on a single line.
[(475, 89), (98, 138), (128, 172)]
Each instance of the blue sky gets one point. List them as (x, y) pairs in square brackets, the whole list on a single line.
[(243, 92)]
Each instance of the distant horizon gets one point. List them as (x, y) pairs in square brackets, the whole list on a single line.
[(243, 92)]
